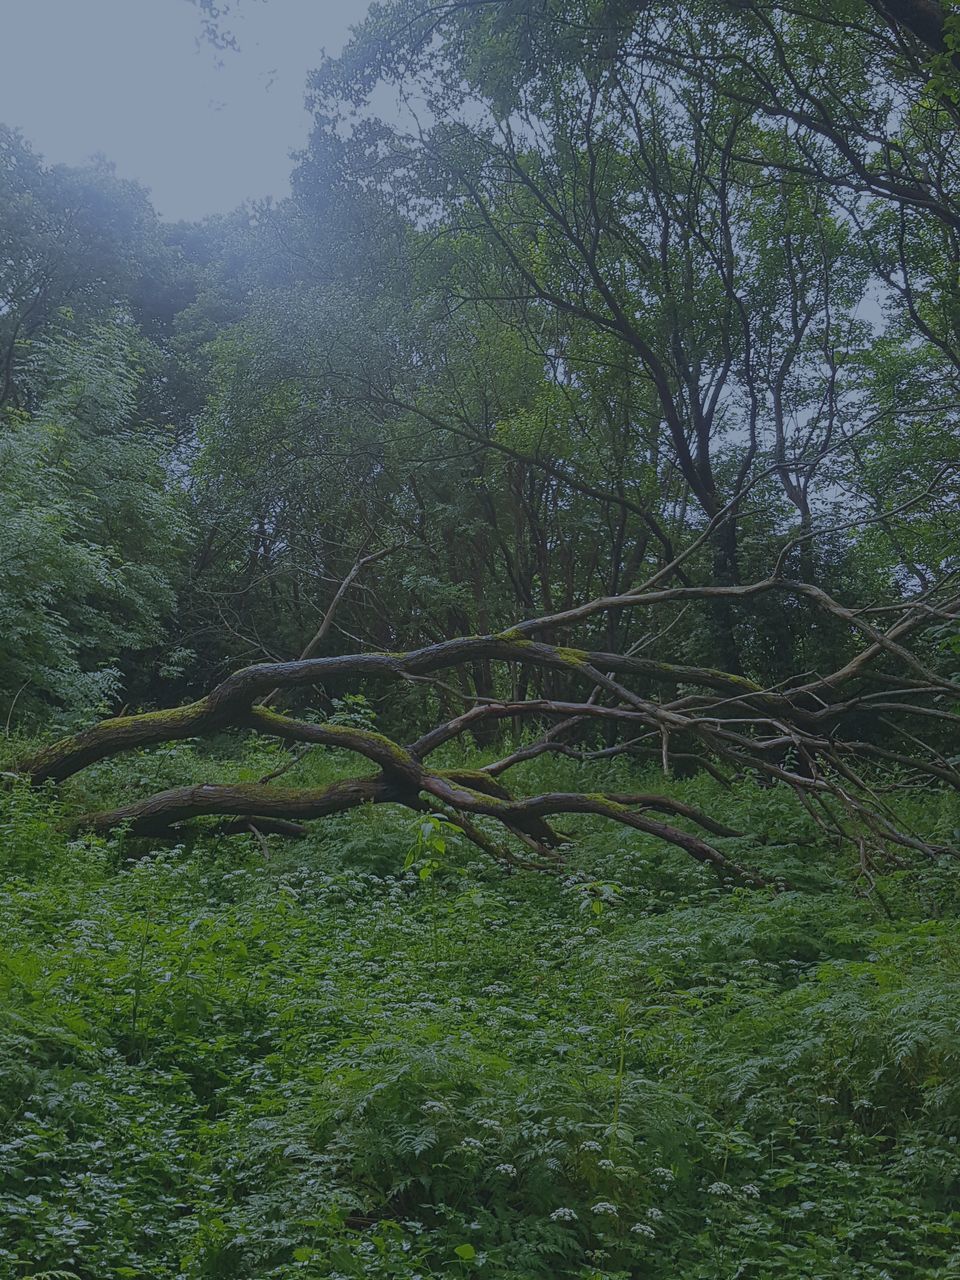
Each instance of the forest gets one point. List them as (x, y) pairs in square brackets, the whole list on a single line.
[(480, 666)]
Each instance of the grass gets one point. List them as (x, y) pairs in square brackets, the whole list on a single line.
[(321, 1064)]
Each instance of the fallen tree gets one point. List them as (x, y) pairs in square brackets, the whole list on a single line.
[(816, 734)]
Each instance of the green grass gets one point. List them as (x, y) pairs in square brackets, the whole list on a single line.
[(318, 1065)]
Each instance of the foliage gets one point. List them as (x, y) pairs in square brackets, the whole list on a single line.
[(77, 239), (91, 529), (643, 293), (220, 1065)]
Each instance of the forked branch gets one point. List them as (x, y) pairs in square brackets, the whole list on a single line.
[(808, 733)]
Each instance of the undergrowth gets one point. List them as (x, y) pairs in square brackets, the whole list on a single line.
[(324, 1064)]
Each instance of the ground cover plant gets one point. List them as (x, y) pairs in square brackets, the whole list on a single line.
[(368, 1054)]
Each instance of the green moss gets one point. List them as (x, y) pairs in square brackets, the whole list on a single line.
[(574, 657), (741, 681), (611, 806), (170, 716), (467, 775), (353, 739), (571, 657), (515, 637), (387, 745), (485, 797)]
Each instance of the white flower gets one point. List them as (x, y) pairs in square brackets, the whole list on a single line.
[(590, 1146), (471, 1144), (654, 1213), (563, 1215), (665, 1175), (508, 1169), (641, 1229), (719, 1189), (604, 1206), (750, 1189), (604, 1164), (432, 1107)]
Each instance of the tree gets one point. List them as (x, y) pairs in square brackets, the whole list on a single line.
[(819, 721), (72, 242), (92, 529), (603, 325)]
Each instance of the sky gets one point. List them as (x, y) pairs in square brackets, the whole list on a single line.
[(128, 79)]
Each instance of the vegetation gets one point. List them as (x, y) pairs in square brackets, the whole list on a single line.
[(365, 1052), (479, 667)]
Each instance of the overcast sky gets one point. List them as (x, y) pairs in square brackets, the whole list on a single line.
[(127, 78)]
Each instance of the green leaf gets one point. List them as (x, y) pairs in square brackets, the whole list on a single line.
[(465, 1251)]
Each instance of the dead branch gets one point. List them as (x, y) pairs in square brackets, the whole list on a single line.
[(806, 733)]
